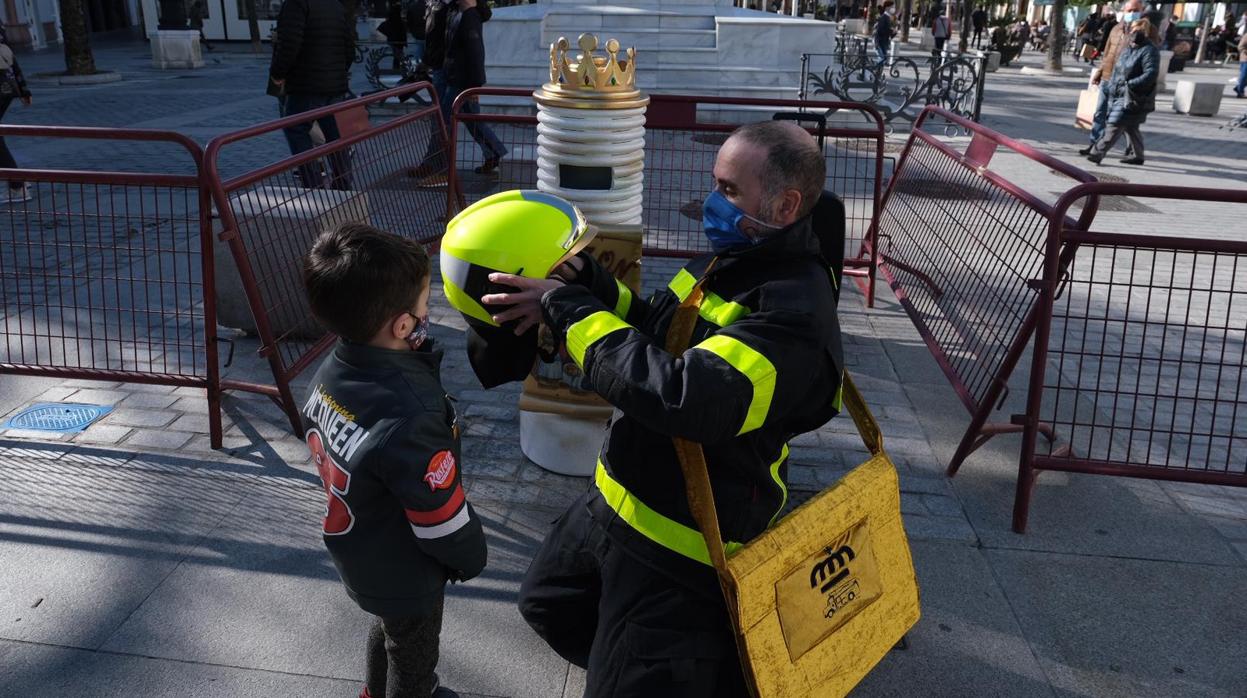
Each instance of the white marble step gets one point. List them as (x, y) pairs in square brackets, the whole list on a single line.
[(646, 39), (704, 77), (610, 23)]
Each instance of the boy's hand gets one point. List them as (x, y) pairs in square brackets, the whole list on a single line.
[(525, 302)]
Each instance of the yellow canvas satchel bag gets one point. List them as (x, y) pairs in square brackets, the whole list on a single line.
[(819, 598)]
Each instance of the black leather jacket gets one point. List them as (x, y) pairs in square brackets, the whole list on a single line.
[(384, 438)]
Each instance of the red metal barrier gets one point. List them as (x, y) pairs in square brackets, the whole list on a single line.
[(1140, 360), (961, 245), (679, 158), (270, 218), (108, 275)]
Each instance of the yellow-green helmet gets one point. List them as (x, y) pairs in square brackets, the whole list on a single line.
[(522, 232)]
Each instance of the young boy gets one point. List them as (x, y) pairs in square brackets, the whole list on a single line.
[(385, 440)]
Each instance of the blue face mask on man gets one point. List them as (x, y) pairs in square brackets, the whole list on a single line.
[(1131, 16), (720, 220)]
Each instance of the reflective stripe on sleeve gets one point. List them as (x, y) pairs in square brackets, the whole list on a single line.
[(783, 488), (625, 299), (582, 335), (666, 532), (756, 367)]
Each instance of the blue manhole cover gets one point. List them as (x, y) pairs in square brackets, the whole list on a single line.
[(60, 417)]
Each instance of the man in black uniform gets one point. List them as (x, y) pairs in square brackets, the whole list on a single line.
[(623, 584)]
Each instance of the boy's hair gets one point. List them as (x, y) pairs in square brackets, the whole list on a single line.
[(358, 277)]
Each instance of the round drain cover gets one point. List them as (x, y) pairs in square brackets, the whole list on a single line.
[(62, 417)]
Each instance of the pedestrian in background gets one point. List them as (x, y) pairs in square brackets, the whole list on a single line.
[(394, 29), (941, 29), (465, 69), (1133, 93), (196, 15), (979, 19), (12, 86), (1240, 90), (313, 48), (414, 19), (885, 29), (1114, 42)]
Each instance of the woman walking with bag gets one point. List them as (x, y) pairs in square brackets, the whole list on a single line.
[(1133, 93), (12, 86)]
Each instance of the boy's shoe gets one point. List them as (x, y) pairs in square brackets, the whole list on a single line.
[(1097, 159), (1084, 151), (17, 196), (1132, 161)]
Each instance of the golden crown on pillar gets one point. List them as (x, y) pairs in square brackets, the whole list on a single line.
[(586, 71)]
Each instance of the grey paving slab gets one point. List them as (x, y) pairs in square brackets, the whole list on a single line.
[(967, 641), (84, 542), (43, 670), (1120, 627), (1085, 514), (264, 577)]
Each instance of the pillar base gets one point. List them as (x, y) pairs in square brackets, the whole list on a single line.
[(562, 444), (176, 50)]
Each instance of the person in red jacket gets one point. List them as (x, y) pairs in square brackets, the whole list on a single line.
[(385, 440)]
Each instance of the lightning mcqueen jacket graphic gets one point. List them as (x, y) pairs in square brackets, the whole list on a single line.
[(385, 441)]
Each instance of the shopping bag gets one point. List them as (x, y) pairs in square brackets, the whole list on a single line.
[(1087, 101)]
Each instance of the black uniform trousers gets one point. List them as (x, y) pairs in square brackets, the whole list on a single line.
[(636, 631)]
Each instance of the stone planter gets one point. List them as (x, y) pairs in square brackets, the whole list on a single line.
[(176, 49), (993, 61)]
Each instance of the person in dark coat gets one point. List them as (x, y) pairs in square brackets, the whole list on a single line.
[(465, 69), (979, 19), (313, 48), (15, 81), (1132, 91), (394, 29)]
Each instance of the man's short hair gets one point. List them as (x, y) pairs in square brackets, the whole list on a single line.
[(791, 162), (886, 4), (358, 277)]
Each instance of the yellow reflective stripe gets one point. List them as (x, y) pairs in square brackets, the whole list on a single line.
[(582, 335), (670, 534), (625, 299), (756, 367), (783, 488), (713, 308), (721, 312), (838, 402), (682, 284)]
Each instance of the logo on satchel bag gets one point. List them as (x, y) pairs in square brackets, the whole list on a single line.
[(827, 589)]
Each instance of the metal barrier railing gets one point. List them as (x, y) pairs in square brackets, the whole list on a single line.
[(109, 275), (1140, 362), (962, 246), (271, 215), (679, 158)]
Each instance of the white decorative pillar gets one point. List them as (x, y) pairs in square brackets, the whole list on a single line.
[(590, 151)]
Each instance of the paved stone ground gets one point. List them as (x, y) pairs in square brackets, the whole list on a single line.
[(139, 561)]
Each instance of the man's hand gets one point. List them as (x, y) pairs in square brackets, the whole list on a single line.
[(525, 302)]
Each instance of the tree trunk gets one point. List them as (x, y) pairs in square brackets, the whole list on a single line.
[(1023, 6), (963, 43), (78, 57), (1203, 35), (906, 17), (253, 26), (1056, 36)]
